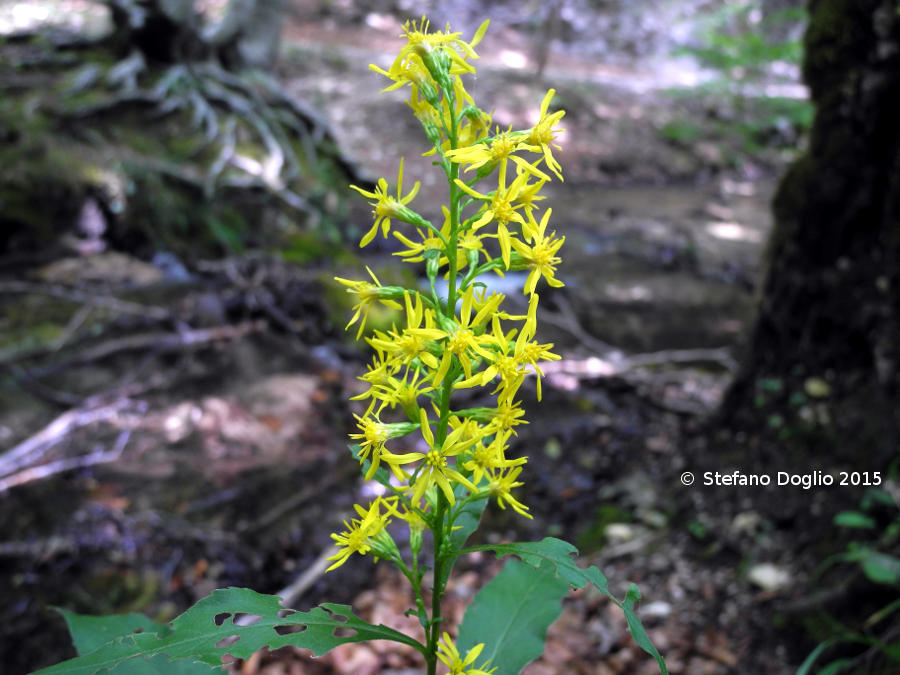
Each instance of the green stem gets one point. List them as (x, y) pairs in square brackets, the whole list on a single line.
[(441, 527), (437, 589)]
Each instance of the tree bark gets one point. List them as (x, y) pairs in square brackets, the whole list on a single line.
[(830, 302), (171, 31)]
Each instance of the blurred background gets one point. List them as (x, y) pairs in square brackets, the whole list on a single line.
[(174, 373)]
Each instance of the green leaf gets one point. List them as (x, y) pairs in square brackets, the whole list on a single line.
[(207, 632), (805, 667), (881, 568), (559, 554), (91, 632), (835, 667), (875, 496), (854, 519), (637, 628), (467, 520), (511, 615)]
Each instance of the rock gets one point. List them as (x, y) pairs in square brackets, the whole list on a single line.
[(769, 577), (111, 267)]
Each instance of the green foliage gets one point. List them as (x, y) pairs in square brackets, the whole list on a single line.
[(204, 633), (92, 632), (735, 42), (559, 554), (876, 554), (512, 613)]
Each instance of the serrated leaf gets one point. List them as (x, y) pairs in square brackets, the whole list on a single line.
[(91, 632), (557, 552), (196, 634), (853, 519), (511, 615), (560, 554)]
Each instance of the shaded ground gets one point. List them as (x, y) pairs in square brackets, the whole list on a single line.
[(233, 467)]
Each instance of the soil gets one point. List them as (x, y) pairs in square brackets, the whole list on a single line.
[(235, 470)]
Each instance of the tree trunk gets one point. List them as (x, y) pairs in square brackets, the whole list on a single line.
[(826, 344), (171, 31)]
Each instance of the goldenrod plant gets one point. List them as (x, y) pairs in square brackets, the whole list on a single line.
[(435, 465)]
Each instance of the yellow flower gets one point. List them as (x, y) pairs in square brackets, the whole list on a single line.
[(413, 342), (368, 295), (421, 43), (360, 534), (541, 256), (496, 152), (506, 416), (373, 437), (484, 459), (435, 470), (449, 655), (387, 207), (500, 486), (408, 71), (542, 134), (500, 208), (528, 195), (466, 339), (416, 252)]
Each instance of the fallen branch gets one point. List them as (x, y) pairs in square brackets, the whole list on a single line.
[(620, 364), (162, 342), (59, 466), (75, 295), (30, 449), (291, 593)]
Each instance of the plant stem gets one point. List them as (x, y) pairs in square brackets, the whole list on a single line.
[(441, 527), (437, 589)]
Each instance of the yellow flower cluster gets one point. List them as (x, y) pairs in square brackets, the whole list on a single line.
[(442, 457)]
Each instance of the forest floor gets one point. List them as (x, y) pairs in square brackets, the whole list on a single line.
[(231, 465)]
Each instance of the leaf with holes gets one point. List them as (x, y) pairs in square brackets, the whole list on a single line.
[(559, 554), (215, 627), (91, 632), (511, 615)]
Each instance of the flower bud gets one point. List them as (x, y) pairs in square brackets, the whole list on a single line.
[(384, 546)]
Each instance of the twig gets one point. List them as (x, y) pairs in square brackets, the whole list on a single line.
[(283, 507), (40, 549), (71, 327), (566, 319), (597, 367), (35, 387), (104, 301), (292, 592), (25, 452), (720, 356), (38, 472), (163, 342)]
